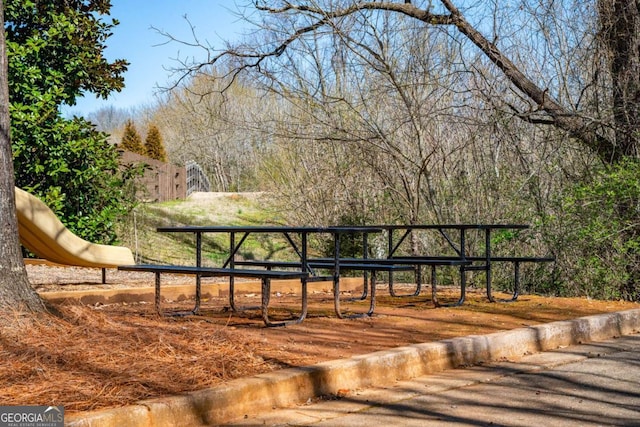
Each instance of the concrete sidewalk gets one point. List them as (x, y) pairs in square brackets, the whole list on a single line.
[(241, 400), (591, 384)]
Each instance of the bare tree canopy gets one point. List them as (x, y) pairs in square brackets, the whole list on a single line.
[(612, 135), (446, 111)]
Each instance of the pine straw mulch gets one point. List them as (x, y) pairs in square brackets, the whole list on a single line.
[(88, 359), (92, 357)]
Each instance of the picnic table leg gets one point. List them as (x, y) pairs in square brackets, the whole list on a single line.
[(157, 298), (392, 292), (516, 280), (463, 290), (418, 281), (198, 278), (372, 304), (232, 289), (463, 270), (336, 256), (418, 278), (516, 283), (463, 275), (232, 298), (336, 277), (336, 296), (365, 274), (266, 291), (232, 248), (372, 301), (434, 285), (158, 301), (389, 255), (198, 295), (232, 302), (365, 291), (487, 248)]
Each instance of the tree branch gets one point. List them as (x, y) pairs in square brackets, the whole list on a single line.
[(575, 125), (324, 19)]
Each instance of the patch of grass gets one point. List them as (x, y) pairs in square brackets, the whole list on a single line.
[(233, 209)]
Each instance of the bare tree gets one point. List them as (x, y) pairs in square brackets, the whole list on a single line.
[(16, 293), (383, 96), (488, 124), (201, 123), (387, 89), (619, 23), (620, 35), (110, 119)]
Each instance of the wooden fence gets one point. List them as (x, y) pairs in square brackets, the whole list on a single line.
[(161, 182)]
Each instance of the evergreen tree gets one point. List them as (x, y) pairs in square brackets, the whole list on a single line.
[(55, 51), (131, 140), (153, 144)]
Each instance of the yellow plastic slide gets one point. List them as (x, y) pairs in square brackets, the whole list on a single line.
[(43, 234)]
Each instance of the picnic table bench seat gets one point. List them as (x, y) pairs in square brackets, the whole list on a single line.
[(407, 264), (515, 260), (264, 275), (375, 265), (342, 264), (349, 264)]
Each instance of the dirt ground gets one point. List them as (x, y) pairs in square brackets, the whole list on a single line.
[(90, 357)]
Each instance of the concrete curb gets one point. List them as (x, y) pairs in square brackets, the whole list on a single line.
[(288, 387), (187, 292)]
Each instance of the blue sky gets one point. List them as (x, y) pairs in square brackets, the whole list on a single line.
[(135, 41)]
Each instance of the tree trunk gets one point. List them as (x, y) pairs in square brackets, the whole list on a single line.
[(16, 294), (620, 36), (577, 126)]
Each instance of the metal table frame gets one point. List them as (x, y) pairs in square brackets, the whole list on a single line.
[(302, 252), (460, 249)]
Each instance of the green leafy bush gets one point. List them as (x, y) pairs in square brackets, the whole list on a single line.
[(77, 175), (55, 54), (600, 239)]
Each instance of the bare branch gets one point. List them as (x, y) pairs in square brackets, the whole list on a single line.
[(254, 60), (560, 116), (404, 8)]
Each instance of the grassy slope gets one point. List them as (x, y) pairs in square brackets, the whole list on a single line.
[(200, 209)]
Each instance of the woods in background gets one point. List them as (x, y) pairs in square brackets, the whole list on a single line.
[(370, 112)]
